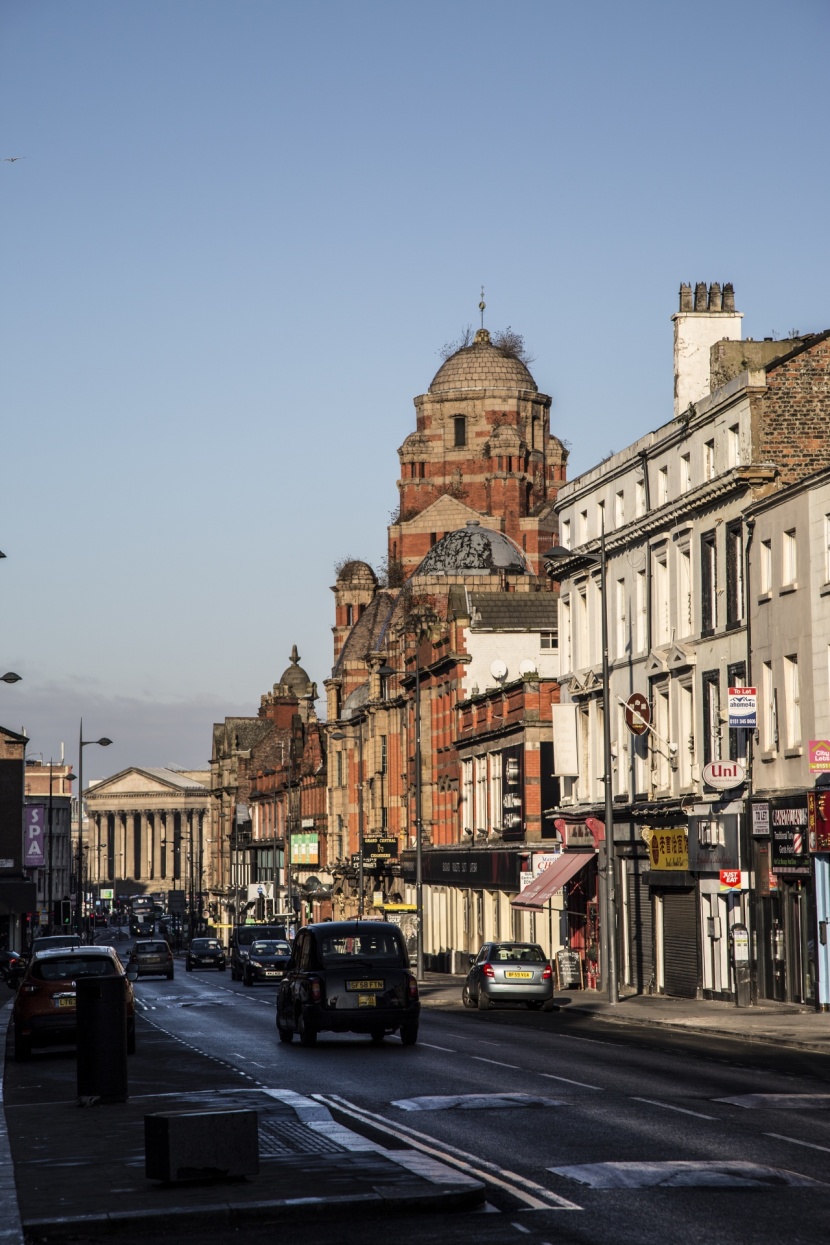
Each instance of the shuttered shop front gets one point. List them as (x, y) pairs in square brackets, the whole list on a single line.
[(681, 963), (640, 926)]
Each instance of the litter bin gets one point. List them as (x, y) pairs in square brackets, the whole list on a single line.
[(102, 1038)]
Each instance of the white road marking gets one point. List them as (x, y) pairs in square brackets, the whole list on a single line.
[(809, 1144), (497, 1062), (683, 1174), (787, 1102), (432, 1046), (568, 1080), (533, 1195), (668, 1107), (472, 1102), (520, 1227)]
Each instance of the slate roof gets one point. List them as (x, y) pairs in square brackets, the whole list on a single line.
[(171, 776), (513, 611), (368, 633), (482, 366)]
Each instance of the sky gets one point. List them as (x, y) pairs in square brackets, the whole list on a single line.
[(236, 239)]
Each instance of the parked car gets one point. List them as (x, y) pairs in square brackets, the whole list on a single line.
[(241, 938), (47, 941), (152, 958), (267, 961), (348, 976), (205, 953), (509, 972), (12, 968), (44, 1007)]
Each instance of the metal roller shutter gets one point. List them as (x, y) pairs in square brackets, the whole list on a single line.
[(640, 931), (681, 965)]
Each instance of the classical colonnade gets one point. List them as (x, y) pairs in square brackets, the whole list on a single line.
[(160, 844)]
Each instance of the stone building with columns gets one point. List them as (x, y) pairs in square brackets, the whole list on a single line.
[(148, 830)]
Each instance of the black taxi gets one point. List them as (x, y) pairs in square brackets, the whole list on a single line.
[(348, 977)]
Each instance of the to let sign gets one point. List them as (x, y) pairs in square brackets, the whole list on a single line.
[(819, 756), (743, 708)]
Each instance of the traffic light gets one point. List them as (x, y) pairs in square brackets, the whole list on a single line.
[(66, 911)]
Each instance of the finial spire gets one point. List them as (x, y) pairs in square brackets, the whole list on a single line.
[(295, 656), (481, 306)]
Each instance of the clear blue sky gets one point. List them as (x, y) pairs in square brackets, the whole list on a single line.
[(240, 235)]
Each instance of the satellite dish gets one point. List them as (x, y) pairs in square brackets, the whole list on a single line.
[(528, 666), (498, 669)]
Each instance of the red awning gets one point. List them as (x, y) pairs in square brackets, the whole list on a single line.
[(535, 896)]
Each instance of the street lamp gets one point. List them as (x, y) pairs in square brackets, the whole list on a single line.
[(79, 890), (10, 677), (385, 672), (342, 735), (608, 925)]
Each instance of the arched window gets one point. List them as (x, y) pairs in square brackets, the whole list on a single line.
[(460, 430)]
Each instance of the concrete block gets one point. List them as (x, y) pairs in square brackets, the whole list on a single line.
[(201, 1145)]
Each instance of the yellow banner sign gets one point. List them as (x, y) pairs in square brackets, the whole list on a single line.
[(668, 849)]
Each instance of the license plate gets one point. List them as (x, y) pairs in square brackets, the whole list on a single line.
[(269, 972), (65, 1002), (524, 976), (364, 985), (367, 1000)]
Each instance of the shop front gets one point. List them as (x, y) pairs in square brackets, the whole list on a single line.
[(787, 926), (675, 912), (467, 902), (723, 889)]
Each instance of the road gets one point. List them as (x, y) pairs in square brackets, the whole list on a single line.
[(746, 1130)]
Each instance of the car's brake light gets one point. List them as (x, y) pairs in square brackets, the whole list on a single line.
[(412, 987), (546, 975), (488, 970), (316, 990)]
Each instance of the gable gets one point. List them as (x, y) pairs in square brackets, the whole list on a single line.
[(448, 514), (137, 780)]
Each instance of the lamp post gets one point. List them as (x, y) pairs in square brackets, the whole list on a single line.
[(79, 890), (608, 902), (385, 672), (342, 735)]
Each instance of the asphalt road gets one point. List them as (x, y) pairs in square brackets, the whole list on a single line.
[(742, 1132)]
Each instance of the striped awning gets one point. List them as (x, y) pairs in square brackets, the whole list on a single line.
[(534, 897)]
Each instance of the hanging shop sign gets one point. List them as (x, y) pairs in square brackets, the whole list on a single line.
[(819, 756), (789, 827), (637, 713), (818, 821), (380, 849), (35, 819), (743, 708), (668, 850), (724, 775)]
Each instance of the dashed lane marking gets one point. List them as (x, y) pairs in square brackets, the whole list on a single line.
[(568, 1080), (497, 1062), (432, 1046), (520, 1227), (810, 1145), (667, 1106)]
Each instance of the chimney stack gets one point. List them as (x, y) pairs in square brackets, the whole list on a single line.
[(713, 319)]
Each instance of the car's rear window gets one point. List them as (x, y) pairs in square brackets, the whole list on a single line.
[(205, 944), (524, 954), (152, 948), (270, 948), (245, 935), (68, 967), (375, 946)]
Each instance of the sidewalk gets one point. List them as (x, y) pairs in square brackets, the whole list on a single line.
[(83, 1168), (777, 1023)]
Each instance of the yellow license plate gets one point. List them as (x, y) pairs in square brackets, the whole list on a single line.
[(65, 1002), (364, 985), (522, 975), (367, 1000)]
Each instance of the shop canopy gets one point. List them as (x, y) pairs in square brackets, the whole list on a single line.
[(534, 897)]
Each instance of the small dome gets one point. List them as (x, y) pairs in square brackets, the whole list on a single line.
[(295, 678), (474, 550), (482, 366)]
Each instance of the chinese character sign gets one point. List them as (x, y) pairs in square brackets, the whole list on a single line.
[(35, 818), (669, 849)]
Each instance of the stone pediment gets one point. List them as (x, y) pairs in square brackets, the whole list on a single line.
[(448, 514), (144, 782), (679, 657), (655, 665)]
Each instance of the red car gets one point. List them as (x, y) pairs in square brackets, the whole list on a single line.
[(44, 1006)]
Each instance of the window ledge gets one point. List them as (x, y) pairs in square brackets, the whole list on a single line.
[(787, 588), (763, 597), (824, 590), (795, 751), (772, 755)]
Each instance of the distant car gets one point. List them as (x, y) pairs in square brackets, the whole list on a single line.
[(241, 938), (12, 967), (205, 953), (152, 958), (509, 972), (267, 961), (45, 1006), (142, 925), (348, 976), (48, 941)]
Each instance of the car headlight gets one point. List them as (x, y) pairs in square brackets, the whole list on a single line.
[(255, 963)]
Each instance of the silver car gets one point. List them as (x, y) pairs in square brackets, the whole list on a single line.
[(509, 972)]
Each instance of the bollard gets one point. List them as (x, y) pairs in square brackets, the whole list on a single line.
[(102, 1038)]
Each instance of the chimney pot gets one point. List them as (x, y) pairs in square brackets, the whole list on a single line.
[(715, 301), (685, 297), (729, 297), (700, 296)]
